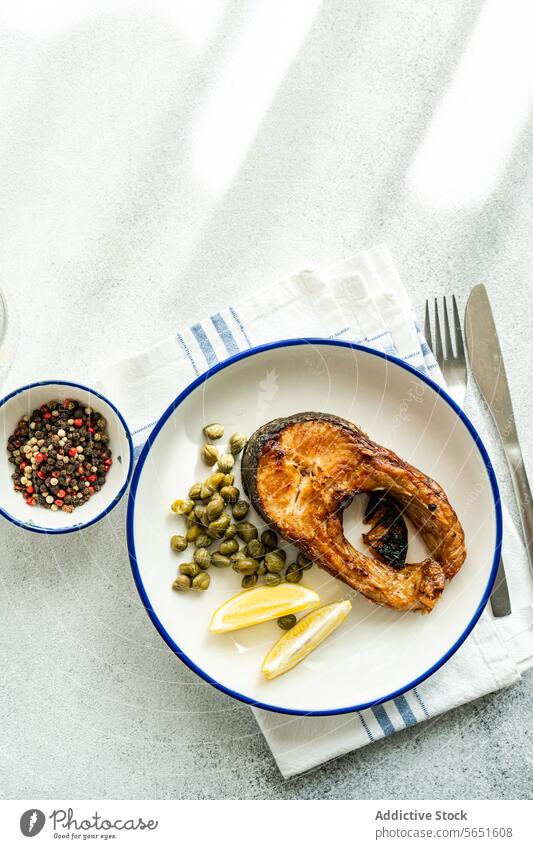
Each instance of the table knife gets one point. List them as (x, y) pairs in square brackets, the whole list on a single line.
[(489, 372)]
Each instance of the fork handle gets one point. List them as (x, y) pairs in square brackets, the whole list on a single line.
[(523, 497)]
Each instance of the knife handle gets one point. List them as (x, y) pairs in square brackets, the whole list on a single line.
[(523, 496)]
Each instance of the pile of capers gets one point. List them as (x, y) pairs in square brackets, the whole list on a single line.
[(215, 514)]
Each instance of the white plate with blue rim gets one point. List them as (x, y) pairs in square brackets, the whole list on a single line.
[(376, 654)]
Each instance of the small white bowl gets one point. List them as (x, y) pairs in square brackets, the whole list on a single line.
[(22, 402)]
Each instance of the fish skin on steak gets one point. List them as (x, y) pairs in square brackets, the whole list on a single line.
[(302, 471)]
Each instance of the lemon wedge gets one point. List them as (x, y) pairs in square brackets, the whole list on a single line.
[(304, 637), (260, 605)]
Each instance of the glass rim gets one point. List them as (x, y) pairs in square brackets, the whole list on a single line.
[(4, 317)]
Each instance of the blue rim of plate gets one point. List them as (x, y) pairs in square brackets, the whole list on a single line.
[(203, 378), (38, 529)]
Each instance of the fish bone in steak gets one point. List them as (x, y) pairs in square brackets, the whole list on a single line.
[(302, 471)]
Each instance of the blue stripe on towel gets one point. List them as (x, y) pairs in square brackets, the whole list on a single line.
[(405, 711), (187, 351), (421, 703), (225, 334), (365, 726), (240, 325), (384, 720), (144, 427), (205, 345)]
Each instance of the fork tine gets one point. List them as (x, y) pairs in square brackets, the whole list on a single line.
[(439, 352), (447, 331), (458, 332), (427, 326)]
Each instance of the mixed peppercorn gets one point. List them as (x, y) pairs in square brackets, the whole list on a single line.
[(61, 455)]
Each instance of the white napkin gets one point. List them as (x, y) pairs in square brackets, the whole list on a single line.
[(361, 300)]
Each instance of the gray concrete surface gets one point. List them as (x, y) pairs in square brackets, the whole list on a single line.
[(115, 232)]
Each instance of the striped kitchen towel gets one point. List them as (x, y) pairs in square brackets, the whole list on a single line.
[(361, 300)]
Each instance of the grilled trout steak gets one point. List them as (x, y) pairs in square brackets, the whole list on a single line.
[(302, 471)]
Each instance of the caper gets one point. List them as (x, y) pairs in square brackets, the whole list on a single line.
[(220, 524), (249, 581), (287, 622), (214, 507), (255, 548), (237, 441), (273, 562), (202, 557), (225, 463), (303, 561), (272, 580), (281, 553), (206, 491), (201, 581), (228, 546), (269, 539), (230, 494), (209, 454), (216, 480), (182, 582), (246, 567), (195, 490), (200, 514), (230, 532), (190, 569), (181, 507), (262, 569), (220, 560), (203, 540), (293, 574), (229, 479), (178, 542), (240, 510), (192, 533), (239, 555), (214, 431), (246, 531)]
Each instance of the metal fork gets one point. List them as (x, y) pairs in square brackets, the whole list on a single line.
[(453, 366)]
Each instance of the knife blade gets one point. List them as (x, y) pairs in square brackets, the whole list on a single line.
[(499, 597), (488, 368)]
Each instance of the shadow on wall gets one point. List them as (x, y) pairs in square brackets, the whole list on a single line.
[(339, 128), (222, 144), (482, 115)]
